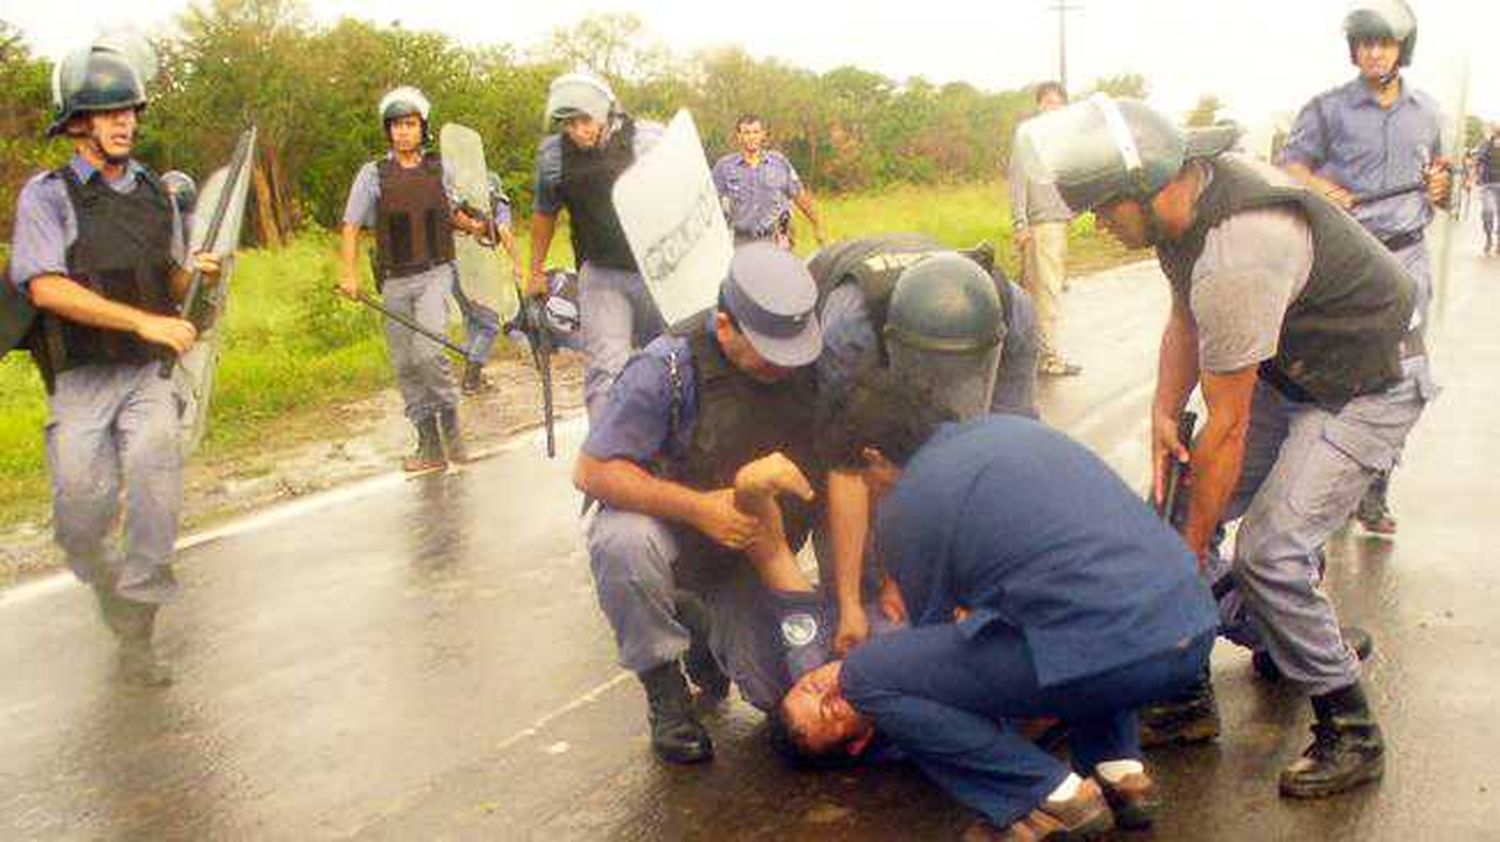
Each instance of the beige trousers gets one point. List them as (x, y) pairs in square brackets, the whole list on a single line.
[(1043, 270)]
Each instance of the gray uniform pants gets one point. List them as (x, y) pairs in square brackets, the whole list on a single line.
[(114, 428), (1304, 471), (638, 568), (617, 315), (421, 367)]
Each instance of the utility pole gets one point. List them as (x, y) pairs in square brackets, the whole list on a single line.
[(1062, 8)]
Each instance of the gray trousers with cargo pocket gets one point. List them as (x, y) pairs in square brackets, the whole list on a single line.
[(421, 367), (1305, 469), (112, 435)]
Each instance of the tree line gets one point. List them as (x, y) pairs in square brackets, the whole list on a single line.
[(313, 90)]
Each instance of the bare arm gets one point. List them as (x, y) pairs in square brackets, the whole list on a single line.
[(804, 202), (622, 484), (543, 226), (1219, 454), (71, 300), (848, 530), (508, 242), (348, 254), (1330, 189), (1176, 375)]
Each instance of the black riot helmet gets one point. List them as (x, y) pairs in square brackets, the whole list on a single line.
[(91, 80), (945, 326), (1371, 20)]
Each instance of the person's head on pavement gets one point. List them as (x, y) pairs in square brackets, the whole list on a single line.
[(765, 322), (815, 725), (1128, 163)]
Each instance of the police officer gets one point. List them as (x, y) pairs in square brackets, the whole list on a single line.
[(1040, 220), (758, 186), (1374, 132), (93, 251), (687, 413), (404, 197), (1070, 600), (948, 318), (1296, 322), (1487, 176), (576, 170), (481, 324)]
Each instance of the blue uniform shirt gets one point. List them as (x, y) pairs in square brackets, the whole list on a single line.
[(755, 198), (850, 347), (1345, 136), (1023, 526), (46, 225), (636, 421), (547, 199)]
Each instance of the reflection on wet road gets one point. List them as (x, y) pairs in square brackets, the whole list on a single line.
[(424, 659)]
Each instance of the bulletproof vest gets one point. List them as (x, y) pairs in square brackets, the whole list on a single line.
[(413, 231), (588, 181), (876, 263), (124, 253), (740, 419), (1341, 337)]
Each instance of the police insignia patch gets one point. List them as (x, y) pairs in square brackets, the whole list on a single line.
[(799, 629)]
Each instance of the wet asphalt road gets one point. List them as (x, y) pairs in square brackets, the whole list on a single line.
[(423, 659)]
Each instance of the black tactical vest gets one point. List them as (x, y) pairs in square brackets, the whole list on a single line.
[(413, 231), (740, 419), (123, 253), (876, 263), (588, 181), (1341, 337)]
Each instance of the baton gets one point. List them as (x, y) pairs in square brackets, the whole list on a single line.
[(365, 299)]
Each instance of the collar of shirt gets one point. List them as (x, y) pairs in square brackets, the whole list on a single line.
[(1358, 94), (85, 170)]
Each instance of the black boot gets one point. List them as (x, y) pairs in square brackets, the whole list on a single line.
[(1355, 638), (1347, 748), (138, 663), (474, 380), (453, 439), (109, 603), (675, 734), (429, 455), (702, 667), (1189, 717)]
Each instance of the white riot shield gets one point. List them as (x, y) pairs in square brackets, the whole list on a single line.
[(670, 212), (194, 373), (482, 273)]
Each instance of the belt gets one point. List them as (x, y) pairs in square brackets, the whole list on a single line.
[(1406, 239)]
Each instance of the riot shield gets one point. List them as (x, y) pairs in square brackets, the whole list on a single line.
[(222, 200), (670, 212), (482, 274)]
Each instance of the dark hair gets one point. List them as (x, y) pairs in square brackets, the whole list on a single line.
[(746, 119), (890, 413), (795, 753), (723, 307), (1049, 87)]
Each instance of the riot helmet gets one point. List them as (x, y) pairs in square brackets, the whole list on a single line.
[(1371, 20), (945, 327), (403, 102), (579, 95), (1103, 150), (183, 190), (108, 75)]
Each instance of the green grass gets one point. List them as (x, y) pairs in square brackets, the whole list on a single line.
[(292, 348)]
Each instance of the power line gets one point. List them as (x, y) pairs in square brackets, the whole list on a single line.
[(1062, 7)]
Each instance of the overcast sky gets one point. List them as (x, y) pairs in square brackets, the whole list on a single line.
[(1260, 56)]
